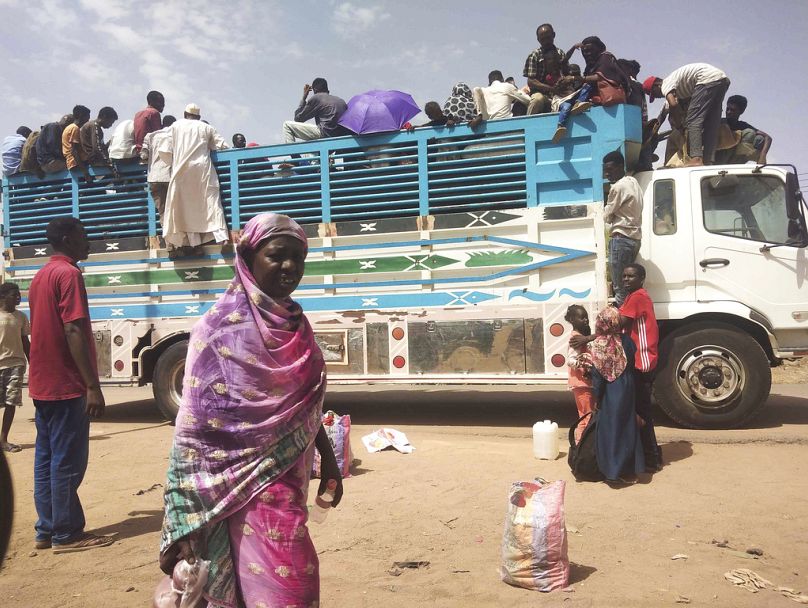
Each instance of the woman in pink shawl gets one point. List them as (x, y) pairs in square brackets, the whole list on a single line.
[(249, 421)]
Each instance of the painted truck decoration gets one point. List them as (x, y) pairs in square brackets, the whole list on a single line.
[(450, 256)]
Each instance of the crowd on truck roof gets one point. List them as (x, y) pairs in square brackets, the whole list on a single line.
[(185, 189)]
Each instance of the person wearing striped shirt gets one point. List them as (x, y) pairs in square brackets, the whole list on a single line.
[(639, 321)]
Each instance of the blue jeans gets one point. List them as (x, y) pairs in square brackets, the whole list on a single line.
[(60, 460), (584, 93), (622, 252)]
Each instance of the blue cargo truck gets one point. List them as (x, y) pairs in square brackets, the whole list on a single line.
[(449, 256)]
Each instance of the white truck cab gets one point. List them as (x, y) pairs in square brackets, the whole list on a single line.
[(725, 252)]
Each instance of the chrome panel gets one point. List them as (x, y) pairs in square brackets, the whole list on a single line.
[(103, 352), (342, 350), (450, 347), (534, 346), (378, 339)]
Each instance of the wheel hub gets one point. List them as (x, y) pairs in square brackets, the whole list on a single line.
[(710, 376)]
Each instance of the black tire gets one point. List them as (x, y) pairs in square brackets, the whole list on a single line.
[(712, 375), (167, 381)]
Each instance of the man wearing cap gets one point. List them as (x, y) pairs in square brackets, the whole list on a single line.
[(193, 211), (702, 87)]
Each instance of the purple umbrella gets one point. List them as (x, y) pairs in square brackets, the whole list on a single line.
[(378, 111)]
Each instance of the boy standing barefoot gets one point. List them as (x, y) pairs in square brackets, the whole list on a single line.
[(14, 351)]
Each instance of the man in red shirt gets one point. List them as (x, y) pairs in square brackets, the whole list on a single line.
[(148, 120), (63, 382), (638, 319)]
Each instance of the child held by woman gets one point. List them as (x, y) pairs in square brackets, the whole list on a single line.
[(579, 366)]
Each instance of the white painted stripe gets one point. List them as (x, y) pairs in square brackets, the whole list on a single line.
[(645, 360)]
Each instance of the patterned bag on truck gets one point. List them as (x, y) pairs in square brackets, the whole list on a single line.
[(338, 429), (534, 546)]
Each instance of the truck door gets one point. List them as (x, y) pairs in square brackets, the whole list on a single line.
[(740, 213)]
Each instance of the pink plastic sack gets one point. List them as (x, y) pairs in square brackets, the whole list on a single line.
[(338, 429), (534, 546)]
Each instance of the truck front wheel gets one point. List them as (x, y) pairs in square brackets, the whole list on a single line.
[(167, 380), (711, 375)]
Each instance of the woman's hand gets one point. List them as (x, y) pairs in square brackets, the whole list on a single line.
[(328, 472), (176, 552), (184, 551), (329, 469)]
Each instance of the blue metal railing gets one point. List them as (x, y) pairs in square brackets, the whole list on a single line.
[(504, 164)]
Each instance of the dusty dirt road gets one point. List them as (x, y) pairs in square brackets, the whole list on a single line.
[(445, 503)]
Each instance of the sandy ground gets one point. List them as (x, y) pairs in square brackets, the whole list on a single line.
[(446, 503)]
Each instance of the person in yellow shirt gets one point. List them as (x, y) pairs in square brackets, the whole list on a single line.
[(75, 156)]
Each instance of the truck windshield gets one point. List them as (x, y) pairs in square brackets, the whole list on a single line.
[(751, 207)]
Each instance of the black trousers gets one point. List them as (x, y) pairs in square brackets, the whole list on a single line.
[(642, 405)]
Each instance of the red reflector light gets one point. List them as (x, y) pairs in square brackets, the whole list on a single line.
[(119, 365), (399, 362), (558, 360)]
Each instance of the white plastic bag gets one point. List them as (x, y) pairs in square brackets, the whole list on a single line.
[(185, 588)]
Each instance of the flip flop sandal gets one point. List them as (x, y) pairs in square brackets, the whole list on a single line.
[(85, 543), (11, 447)]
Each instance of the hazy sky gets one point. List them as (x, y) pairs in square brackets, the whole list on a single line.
[(245, 62)]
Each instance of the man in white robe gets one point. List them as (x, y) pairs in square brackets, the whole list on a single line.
[(193, 212)]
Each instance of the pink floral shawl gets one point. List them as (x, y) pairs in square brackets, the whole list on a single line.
[(251, 407)]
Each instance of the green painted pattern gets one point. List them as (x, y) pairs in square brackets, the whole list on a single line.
[(391, 264), (160, 277), (315, 268), (512, 257)]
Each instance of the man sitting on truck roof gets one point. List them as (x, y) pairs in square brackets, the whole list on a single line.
[(541, 92), (75, 155), (753, 145), (703, 86), (12, 150), (92, 138), (49, 145), (324, 108), (623, 212), (494, 101)]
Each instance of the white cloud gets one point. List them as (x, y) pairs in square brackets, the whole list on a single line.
[(123, 35), (109, 9), (350, 19), (52, 15)]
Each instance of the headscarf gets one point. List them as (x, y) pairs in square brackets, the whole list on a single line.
[(608, 356), (460, 103), (605, 64), (251, 406)]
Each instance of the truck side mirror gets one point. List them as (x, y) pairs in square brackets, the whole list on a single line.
[(797, 230)]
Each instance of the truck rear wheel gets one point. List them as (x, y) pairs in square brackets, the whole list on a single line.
[(168, 374), (712, 375)]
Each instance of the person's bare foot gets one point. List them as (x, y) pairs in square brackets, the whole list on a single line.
[(10, 447), (695, 162)]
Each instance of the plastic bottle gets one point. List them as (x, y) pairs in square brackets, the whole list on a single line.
[(545, 440), (323, 502)]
